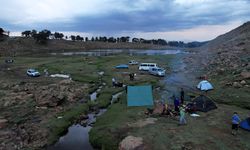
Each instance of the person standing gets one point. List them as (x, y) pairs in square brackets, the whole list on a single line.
[(131, 76), (176, 104), (182, 116), (235, 123), (113, 82), (182, 96)]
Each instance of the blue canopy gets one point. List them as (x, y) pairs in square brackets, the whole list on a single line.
[(121, 66), (139, 95)]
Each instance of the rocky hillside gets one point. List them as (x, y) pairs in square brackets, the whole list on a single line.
[(230, 51), (226, 60)]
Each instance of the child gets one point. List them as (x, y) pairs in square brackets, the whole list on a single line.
[(235, 123), (182, 116)]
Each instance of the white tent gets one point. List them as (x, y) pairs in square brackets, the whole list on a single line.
[(205, 86)]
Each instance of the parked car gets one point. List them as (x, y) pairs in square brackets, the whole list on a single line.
[(157, 71), (147, 66), (133, 62), (33, 73)]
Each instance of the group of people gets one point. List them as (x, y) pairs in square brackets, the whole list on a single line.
[(120, 84), (116, 83), (179, 108)]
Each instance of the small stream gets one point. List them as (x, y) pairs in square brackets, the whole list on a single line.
[(77, 137)]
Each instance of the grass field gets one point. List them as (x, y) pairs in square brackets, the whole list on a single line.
[(210, 131), (83, 70)]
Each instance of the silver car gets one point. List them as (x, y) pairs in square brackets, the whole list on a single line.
[(157, 71), (33, 73)]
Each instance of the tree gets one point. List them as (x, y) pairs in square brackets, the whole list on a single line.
[(92, 39), (33, 33), (111, 40), (73, 38), (43, 36), (26, 33), (86, 39), (79, 38), (135, 40), (2, 35), (1, 31), (96, 39), (58, 35), (162, 42)]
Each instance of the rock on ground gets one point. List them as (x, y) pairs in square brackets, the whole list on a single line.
[(131, 143)]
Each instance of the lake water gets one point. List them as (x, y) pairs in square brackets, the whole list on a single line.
[(108, 52)]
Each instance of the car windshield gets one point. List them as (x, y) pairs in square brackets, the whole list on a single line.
[(160, 69), (32, 70)]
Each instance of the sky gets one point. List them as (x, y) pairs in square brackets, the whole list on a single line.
[(185, 20)]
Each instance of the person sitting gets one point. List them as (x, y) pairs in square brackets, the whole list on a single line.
[(191, 108), (149, 111), (131, 76), (168, 110)]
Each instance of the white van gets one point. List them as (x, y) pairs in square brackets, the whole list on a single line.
[(147, 66)]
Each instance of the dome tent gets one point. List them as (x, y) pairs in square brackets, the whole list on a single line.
[(205, 86), (245, 124), (204, 104)]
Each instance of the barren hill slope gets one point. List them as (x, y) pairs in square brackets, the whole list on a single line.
[(237, 39)]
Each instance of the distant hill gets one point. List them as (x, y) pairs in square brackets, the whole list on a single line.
[(23, 46), (237, 39)]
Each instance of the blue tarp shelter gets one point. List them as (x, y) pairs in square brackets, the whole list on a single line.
[(245, 124), (121, 66), (139, 95)]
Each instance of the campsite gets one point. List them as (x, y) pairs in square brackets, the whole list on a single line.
[(119, 120), (125, 75)]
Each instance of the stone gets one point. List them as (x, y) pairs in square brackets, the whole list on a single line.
[(131, 143), (237, 85), (243, 82), (245, 74), (3, 123)]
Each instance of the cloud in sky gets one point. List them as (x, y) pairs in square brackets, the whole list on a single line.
[(114, 17)]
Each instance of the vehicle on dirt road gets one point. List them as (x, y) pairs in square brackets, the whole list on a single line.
[(147, 66), (157, 71), (33, 73), (133, 62)]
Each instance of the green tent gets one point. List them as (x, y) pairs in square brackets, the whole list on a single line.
[(139, 95)]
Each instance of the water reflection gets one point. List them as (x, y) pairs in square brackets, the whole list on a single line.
[(131, 52)]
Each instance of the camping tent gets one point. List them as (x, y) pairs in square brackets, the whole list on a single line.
[(139, 96), (204, 104), (205, 86), (245, 124)]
